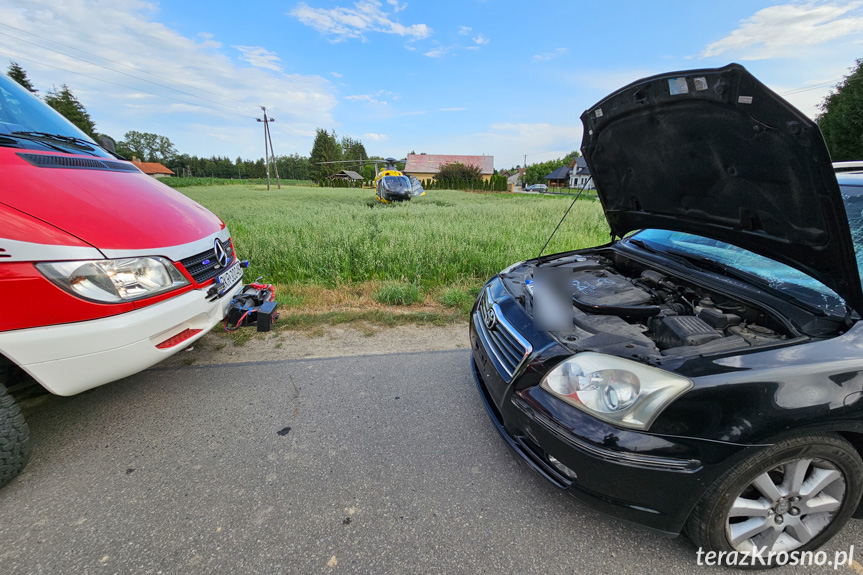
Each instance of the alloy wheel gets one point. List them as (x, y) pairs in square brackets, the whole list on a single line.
[(785, 507)]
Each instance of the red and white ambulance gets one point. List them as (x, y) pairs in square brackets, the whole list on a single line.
[(104, 271)]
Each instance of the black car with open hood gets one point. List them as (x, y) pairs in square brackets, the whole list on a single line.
[(711, 354), (718, 154)]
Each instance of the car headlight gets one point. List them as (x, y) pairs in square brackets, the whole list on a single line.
[(115, 281), (616, 390)]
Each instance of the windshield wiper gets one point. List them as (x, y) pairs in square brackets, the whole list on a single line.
[(703, 261), (707, 263), (70, 141), (643, 245), (24, 136)]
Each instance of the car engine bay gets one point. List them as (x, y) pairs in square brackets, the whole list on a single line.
[(622, 306)]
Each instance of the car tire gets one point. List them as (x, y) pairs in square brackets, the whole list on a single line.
[(772, 496), (14, 438)]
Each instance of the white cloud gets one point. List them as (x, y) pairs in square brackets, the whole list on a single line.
[(366, 16), (396, 6), (481, 40), (335, 74), (409, 47), (210, 89), (436, 52), (374, 137), (260, 57), (779, 31), (367, 98), (373, 98), (464, 30), (452, 109), (549, 55)]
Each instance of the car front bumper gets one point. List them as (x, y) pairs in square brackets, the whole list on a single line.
[(71, 358), (650, 480)]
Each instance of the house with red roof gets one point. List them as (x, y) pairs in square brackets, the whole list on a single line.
[(154, 169), (425, 166)]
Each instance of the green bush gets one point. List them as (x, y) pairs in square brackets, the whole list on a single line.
[(459, 297), (392, 293)]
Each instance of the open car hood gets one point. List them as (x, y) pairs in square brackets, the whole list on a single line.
[(716, 153)]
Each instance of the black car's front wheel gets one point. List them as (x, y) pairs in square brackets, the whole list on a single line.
[(792, 496)]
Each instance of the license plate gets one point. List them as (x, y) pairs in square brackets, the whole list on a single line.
[(228, 279)]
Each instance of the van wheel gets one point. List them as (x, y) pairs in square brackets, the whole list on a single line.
[(792, 496), (14, 438)]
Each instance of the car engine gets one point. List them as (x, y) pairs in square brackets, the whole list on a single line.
[(618, 303)]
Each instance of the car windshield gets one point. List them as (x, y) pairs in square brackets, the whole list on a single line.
[(852, 195), (779, 276), (22, 112)]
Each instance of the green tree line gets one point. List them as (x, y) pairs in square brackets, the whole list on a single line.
[(841, 119), (536, 173)]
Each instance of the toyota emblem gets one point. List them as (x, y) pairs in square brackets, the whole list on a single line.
[(490, 318), (221, 253)]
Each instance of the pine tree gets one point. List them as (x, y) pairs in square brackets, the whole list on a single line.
[(65, 102), (18, 74), (325, 149)]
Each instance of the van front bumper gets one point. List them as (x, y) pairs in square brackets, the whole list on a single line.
[(70, 358)]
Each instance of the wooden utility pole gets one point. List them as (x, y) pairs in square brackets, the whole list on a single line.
[(268, 151)]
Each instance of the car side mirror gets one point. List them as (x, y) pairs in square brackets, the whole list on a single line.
[(107, 143)]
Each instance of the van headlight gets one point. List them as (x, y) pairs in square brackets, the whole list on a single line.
[(616, 390), (115, 281)]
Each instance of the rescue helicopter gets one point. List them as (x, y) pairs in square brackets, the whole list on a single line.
[(390, 184)]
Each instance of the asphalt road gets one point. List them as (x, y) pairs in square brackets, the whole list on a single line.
[(390, 465)]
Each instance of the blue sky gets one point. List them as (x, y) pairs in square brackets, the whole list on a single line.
[(467, 77)]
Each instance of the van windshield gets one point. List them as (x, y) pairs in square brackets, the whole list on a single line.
[(26, 118)]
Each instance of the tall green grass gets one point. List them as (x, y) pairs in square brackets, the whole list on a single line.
[(198, 181), (446, 238)]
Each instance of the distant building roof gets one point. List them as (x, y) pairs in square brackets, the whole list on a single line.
[(561, 173), (581, 168), (345, 175), (431, 163), (151, 168)]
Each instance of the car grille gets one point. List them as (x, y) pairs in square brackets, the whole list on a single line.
[(506, 347), (202, 272)]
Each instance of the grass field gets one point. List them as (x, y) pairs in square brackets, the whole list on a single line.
[(338, 249)]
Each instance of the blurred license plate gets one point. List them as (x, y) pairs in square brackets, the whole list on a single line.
[(229, 278)]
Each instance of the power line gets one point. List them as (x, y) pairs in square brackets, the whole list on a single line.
[(847, 79), (113, 61), (111, 69), (125, 86)]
